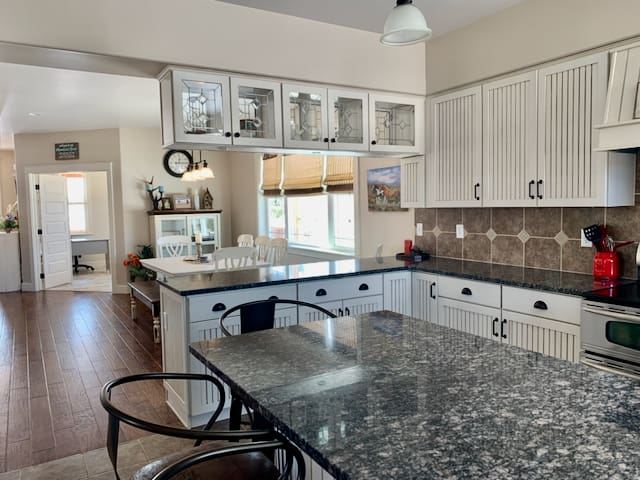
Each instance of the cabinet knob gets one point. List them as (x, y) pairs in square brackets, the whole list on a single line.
[(227, 134), (333, 140), (325, 139), (373, 142), (540, 305), (219, 307), (466, 291), (321, 292), (363, 287), (274, 297), (237, 134)]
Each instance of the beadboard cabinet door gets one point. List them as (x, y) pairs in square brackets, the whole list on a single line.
[(470, 318), (509, 142), (413, 181), (570, 102), (455, 161), (424, 297), (397, 292)]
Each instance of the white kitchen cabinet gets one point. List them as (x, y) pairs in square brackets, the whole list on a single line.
[(10, 253), (328, 119), (542, 322), (509, 155), (342, 296), (208, 224), (200, 107), (424, 298), (397, 292), (469, 317), (571, 97), (413, 180), (396, 123), (455, 160)]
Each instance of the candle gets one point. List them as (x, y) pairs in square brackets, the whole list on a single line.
[(160, 188), (198, 238)]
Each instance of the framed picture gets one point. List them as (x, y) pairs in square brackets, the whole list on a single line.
[(383, 189), (181, 201)]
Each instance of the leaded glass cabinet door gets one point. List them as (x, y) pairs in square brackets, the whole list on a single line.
[(256, 112), (305, 117), (348, 120), (397, 124), (201, 108)]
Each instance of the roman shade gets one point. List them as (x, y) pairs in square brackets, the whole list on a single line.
[(339, 174), (303, 174), (271, 174)]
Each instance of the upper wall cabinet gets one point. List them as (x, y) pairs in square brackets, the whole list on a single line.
[(455, 122), (509, 123), (325, 119), (205, 108), (397, 124)]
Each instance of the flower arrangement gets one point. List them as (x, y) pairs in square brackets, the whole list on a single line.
[(10, 219), (132, 262)]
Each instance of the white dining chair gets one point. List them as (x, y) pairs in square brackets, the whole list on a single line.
[(278, 250), (262, 244), (245, 240), (235, 257), (173, 246)]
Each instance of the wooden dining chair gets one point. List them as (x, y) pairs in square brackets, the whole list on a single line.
[(262, 244), (217, 458), (173, 246), (245, 240), (235, 257), (278, 250)]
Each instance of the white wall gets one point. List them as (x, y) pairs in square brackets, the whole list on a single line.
[(529, 33), (217, 35), (7, 184), (388, 228), (245, 177)]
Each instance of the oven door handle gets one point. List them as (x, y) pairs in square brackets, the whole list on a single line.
[(606, 368), (609, 313)]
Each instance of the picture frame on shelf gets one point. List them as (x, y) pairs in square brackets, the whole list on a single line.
[(181, 201), (166, 204)]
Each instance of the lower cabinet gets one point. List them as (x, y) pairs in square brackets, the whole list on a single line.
[(397, 292), (424, 296), (469, 317)]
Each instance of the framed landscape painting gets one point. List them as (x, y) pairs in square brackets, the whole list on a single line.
[(383, 189)]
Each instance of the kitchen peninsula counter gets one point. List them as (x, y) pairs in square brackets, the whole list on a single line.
[(548, 280), (385, 396)]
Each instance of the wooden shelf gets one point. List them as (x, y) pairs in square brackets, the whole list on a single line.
[(181, 211)]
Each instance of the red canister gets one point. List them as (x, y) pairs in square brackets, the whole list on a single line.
[(606, 265), (407, 246)]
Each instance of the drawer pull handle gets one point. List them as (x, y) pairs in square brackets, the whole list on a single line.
[(274, 297), (431, 294), (540, 305), (218, 307), (340, 313), (363, 287), (321, 292), (502, 334), (466, 291), (347, 311), (495, 322)]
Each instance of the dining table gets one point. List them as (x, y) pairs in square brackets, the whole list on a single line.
[(189, 265), (387, 396)]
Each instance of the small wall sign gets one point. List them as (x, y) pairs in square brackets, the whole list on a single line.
[(67, 151)]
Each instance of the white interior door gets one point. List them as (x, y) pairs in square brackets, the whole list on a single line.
[(56, 239)]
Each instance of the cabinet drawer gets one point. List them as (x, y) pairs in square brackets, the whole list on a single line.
[(200, 306), (340, 288), (482, 293), (564, 308)]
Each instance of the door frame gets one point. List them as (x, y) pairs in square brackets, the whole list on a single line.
[(33, 208)]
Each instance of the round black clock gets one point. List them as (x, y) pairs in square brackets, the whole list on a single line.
[(176, 162)]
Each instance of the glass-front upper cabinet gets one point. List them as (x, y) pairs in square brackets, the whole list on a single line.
[(348, 120), (396, 124), (256, 112), (200, 111), (305, 117)]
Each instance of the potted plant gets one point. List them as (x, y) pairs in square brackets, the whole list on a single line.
[(132, 262)]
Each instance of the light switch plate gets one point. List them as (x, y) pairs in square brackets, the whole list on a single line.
[(583, 240), (460, 230), (419, 229)]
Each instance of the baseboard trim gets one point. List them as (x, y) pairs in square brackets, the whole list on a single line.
[(28, 287)]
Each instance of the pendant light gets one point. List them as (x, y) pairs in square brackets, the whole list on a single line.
[(405, 25)]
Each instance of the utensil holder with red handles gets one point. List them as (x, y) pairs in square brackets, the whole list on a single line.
[(606, 265)]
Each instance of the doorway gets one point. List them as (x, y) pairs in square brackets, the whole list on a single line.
[(72, 230)]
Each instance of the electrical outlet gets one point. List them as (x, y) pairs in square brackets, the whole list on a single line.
[(583, 240), (459, 230), (419, 229)]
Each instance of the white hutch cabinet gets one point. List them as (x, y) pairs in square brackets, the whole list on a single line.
[(206, 222)]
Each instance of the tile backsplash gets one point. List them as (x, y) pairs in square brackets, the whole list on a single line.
[(531, 237)]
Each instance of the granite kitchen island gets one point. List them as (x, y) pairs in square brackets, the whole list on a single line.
[(385, 396)]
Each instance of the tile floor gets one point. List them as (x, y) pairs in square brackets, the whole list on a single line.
[(95, 465), (87, 281)]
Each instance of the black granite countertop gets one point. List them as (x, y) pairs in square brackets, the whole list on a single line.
[(550, 280), (386, 396)]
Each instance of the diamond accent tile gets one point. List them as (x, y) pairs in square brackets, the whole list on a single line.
[(491, 234), (561, 238), (437, 232), (524, 236)]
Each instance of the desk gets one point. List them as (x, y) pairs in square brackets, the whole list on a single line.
[(89, 246), (176, 266), (385, 396)]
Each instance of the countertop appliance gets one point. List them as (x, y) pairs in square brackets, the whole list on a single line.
[(610, 327)]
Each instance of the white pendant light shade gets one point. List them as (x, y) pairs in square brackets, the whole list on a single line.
[(405, 25), (206, 172)]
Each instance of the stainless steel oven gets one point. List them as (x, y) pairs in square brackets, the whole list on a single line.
[(611, 337)]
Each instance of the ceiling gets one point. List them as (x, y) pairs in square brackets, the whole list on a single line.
[(442, 15), (42, 99)]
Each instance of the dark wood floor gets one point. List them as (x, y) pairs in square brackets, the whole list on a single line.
[(56, 351)]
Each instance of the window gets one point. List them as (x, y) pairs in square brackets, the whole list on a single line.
[(77, 200), (317, 209)]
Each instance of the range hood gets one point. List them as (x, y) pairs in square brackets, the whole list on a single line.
[(621, 127)]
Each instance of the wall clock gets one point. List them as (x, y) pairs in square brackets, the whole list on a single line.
[(176, 162)]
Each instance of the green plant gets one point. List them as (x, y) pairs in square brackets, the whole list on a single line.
[(132, 262)]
